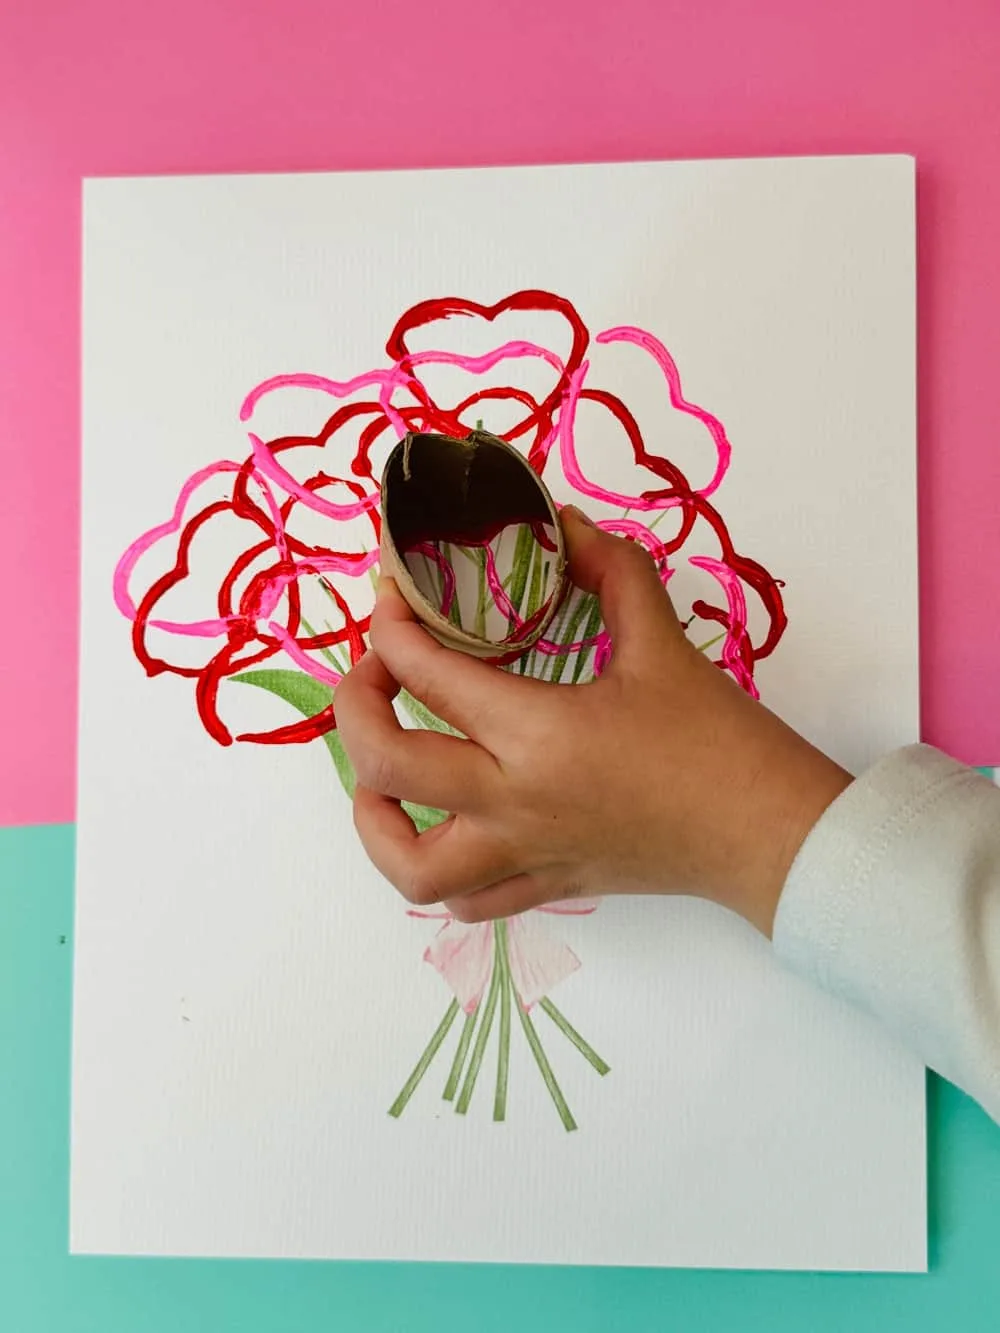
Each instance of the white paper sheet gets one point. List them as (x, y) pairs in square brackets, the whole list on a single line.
[(250, 996)]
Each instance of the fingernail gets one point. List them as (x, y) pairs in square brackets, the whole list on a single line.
[(386, 584), (579, 515)]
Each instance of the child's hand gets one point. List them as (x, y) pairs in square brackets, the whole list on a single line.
[(661, 777)]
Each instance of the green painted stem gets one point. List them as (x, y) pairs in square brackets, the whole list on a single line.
[(556, 633), (483, 593), (479, 1049), (503, 1051), (534, 594), (524, 549), (342, 665), (541, 1059), (458, 1064), (421, 1067), (568, 1030), (528, 663), (455, 610), (536, 589), (704, 647), (328, 653), (569, 637), (437, 576), (590, 629)]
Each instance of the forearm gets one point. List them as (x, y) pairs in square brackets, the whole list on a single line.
[(894, 902)]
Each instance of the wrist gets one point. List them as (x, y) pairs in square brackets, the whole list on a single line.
[(780, 811)]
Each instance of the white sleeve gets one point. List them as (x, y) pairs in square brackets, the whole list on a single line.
[(894, 903)]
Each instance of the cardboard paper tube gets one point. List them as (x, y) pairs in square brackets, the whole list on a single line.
[(439, 490)]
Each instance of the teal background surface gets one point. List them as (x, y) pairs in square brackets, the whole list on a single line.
[(43, 1290)]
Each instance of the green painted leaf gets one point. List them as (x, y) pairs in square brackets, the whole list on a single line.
[(309, 697), (424, 816), (423, 716)]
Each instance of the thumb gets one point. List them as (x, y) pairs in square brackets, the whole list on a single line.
[(634, 603)]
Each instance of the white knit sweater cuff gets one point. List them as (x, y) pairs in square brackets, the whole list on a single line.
[(894, 903)]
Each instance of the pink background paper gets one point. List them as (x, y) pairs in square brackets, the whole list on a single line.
[(107, 87)]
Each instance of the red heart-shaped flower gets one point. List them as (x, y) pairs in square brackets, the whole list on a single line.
[(545, 362)]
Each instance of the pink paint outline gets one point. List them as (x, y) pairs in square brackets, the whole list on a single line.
[(649, 343)]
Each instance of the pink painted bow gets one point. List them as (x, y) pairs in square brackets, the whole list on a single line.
[(463, 954)]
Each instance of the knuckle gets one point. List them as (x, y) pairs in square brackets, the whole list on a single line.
[(420, 888), (428, 690), (405, 650), (635, 554), (532, 754), (375, 770)]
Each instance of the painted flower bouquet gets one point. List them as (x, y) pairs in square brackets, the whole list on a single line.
[(263, 576)]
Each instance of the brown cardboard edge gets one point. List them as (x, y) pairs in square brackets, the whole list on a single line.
[(439, 626)]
